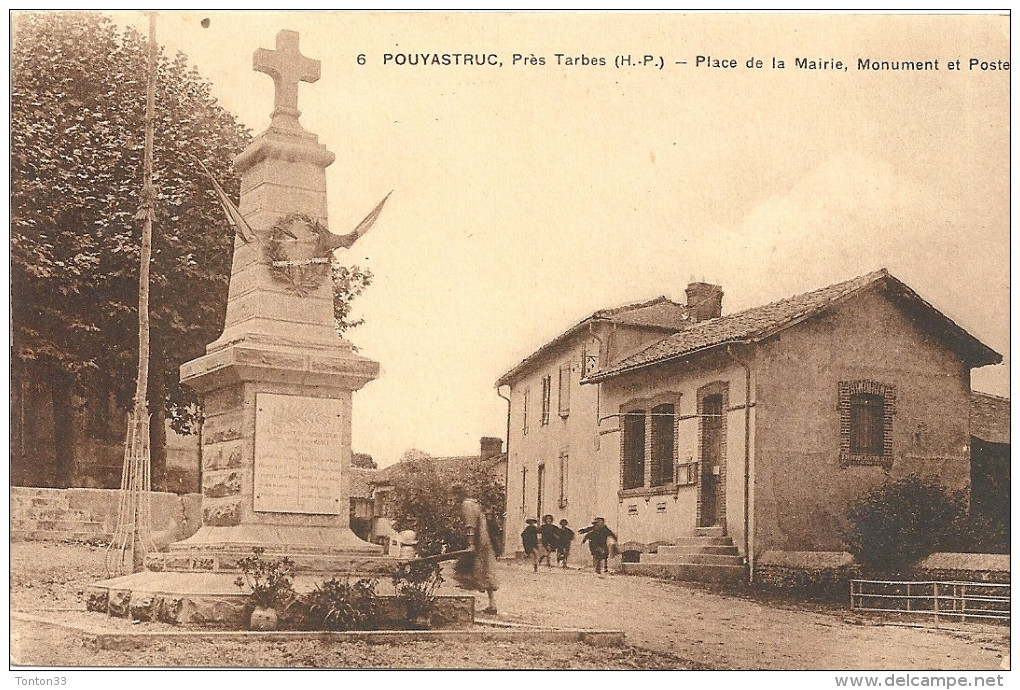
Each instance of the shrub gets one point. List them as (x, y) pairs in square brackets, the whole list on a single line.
[(271, 582), (901, 522), (340, 605), (416, 583)]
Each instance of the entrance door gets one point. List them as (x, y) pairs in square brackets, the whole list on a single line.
[(711, 458), (541, 491)]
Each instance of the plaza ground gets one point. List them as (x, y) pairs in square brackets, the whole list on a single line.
[(667, 625)]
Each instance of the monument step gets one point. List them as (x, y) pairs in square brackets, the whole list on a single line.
[(691, 558), (688, 549), (688, 572), (715, 531)]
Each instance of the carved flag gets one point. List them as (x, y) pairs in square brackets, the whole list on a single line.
[(345, 241), (234, 216)]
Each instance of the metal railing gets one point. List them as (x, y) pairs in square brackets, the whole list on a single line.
[(957, 601)]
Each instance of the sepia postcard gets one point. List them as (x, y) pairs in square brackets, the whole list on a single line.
[(511, 340)]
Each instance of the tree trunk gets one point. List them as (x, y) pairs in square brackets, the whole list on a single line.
[(157, 432), (63, 431)]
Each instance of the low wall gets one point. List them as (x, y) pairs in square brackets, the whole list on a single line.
[(174, 517), (832, 570)]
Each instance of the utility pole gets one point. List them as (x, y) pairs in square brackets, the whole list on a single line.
[(133, 536)]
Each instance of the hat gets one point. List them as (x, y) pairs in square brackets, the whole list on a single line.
[(600, 518), (531, 521)]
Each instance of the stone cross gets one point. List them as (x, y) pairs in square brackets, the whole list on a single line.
[(287, 66)]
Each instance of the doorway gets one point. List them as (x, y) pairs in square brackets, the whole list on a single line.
[(711, 484)]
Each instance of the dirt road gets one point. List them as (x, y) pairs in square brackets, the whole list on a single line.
[(733, 632)]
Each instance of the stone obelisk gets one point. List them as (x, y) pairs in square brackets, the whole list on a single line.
[(277, 384)]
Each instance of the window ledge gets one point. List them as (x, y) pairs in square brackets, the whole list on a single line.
[(854, 459), (647, 491)]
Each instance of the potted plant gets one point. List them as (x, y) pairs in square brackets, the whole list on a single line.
[(416, 583), (272, 588), (341, 605)]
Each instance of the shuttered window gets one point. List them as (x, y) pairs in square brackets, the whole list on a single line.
[(564, 399), (662, 444), (633, 449)]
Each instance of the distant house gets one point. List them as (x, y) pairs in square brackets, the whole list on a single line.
[(989, 458), (490, 458), (751, 431)]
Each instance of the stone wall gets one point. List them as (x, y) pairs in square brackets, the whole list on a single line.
[(81, 514)]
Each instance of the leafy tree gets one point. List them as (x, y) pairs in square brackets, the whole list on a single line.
[(77, 135), (422, 500), (364, 461)]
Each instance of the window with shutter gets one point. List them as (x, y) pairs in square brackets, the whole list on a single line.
[(564, 399)]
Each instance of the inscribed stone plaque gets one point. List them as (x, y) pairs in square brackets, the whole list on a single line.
[(298, 454)]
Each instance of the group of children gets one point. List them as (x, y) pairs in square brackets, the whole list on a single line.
[(541, 542)]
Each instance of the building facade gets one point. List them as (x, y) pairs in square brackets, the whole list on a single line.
[(760, 427)]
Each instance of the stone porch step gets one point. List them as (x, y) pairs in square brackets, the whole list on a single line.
[(717, 531), (689, 572), (691, 559), (699, 548), (701, 541)]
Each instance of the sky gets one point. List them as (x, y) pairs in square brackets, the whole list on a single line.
[(528, 196)]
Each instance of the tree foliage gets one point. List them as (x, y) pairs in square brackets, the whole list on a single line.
[(423, 502), (77, 139), (77, 135)]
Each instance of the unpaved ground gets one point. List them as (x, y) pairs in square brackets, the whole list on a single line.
[(668, 625), (46, 579), (738, 632)]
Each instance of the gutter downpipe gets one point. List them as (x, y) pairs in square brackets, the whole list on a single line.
[(506, 472), (748, 540)]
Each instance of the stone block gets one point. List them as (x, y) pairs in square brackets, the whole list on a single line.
[(203, 564), (97, 599), (213, 610), (224, 427), (218, 484), (140, 607), (222, 514), (222, 455), (223, 399), (119, 603), (167, 608)]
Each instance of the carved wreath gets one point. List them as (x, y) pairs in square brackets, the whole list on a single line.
[(300, 277)]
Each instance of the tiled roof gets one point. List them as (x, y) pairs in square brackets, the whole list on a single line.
[(989, 417), (761, 322), (659, 313)]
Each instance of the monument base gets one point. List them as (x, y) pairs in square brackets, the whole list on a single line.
[(211, 599)]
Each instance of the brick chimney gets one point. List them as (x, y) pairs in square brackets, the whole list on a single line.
[(704, 301), (490, 446)]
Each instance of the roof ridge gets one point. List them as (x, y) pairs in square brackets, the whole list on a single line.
[(862, 281), (990, 395), (633, 305)]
